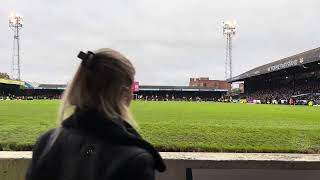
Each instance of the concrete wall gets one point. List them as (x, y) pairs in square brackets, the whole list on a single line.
[(13, 165), (204, 166), (241, 166)]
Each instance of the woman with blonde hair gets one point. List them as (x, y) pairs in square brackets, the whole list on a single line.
[(96, 139)]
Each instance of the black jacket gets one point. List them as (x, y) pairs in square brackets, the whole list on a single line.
[(91, 147)]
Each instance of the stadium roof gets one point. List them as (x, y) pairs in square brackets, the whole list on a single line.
[(12, 82), (178, 88), (289, 62), (32, 85), (52, 86)]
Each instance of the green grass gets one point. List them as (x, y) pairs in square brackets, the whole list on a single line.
[(185, 126)]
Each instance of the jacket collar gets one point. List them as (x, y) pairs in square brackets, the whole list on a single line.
[(115, 131)]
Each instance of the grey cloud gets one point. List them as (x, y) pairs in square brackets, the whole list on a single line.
[(168, 41)]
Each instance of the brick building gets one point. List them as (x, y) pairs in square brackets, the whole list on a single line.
[(206, 82)]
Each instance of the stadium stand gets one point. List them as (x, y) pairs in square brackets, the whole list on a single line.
[(9, 88), (30, 90), (179, 93), (295, 78), (44, 91)]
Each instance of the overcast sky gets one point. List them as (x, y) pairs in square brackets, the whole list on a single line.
[(168, 41)]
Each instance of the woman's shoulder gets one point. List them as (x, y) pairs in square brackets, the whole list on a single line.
[(43, 138), (43, 142), (136, 152), (139, 166), (142, 159)]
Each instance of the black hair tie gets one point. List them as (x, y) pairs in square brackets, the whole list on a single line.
[(87, 59)]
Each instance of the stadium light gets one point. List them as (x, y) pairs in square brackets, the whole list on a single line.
[(15, 20), (229, 30), (229, 27), (15, 23)]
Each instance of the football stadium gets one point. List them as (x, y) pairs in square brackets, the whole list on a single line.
[(278, 111), (159, 90)]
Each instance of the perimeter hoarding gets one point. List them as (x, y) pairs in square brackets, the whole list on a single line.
[(135, 87)]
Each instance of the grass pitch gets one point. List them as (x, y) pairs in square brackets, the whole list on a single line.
[(184, 126)]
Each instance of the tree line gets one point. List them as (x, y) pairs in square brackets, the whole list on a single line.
[(4, 76)]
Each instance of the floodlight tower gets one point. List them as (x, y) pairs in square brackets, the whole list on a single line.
[(15, 23), (229, 30)]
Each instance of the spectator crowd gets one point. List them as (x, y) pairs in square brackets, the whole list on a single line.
[(305, 90)]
